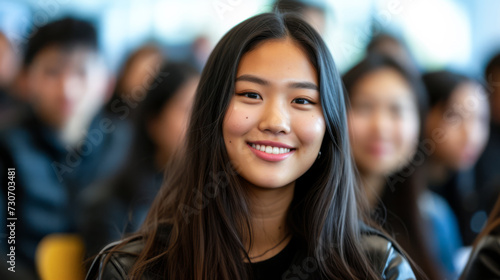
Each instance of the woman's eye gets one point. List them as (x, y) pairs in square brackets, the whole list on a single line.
[(251, 95), (52, 71), (363, 107), (302, 101), (396, 111)]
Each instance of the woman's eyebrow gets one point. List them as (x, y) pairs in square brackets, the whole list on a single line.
[(304, 85), (252, 79), (260, 81)]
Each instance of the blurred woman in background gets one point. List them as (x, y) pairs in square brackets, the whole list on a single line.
[(135, 78), (119, 206), (388, 104), (459, 116)]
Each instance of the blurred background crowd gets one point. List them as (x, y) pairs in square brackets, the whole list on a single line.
[(95, 97)]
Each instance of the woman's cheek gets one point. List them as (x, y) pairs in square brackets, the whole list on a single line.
[(358, 127), (239, 120), (233, 121), (310, 128)]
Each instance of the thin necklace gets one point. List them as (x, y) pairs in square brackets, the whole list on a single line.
[(265, 252)]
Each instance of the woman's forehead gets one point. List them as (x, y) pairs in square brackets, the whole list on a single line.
[(278, 60)]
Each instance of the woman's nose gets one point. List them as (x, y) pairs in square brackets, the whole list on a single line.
[(275, 119)]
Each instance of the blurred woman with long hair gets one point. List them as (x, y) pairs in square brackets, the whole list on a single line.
[(119, 205), (386, 117)]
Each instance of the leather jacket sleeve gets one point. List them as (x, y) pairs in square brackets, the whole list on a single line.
[(387, 259), (484, 262), (117, 266), (385, 256)]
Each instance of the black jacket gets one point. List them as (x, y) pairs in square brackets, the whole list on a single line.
[(484, 262), (385, 256), (50, 177)]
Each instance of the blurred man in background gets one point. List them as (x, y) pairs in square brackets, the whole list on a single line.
[(63, 144)]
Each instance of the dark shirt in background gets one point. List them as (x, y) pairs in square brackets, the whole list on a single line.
[(50, 176)]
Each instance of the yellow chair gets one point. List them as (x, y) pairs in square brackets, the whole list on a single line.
[(60, 257)]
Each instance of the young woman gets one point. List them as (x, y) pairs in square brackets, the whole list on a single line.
[(266, 189), (459, 111), (388, 106), (117, 206)]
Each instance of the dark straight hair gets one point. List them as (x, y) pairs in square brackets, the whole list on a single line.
[(398, 211), (66, 32), (204, 202), (442, 84), (376, 61)]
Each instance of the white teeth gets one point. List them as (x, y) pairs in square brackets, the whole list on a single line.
[(270, 149)]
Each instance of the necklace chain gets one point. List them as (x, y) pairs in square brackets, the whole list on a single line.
[(266, 251)]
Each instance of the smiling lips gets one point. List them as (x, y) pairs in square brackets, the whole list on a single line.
[(271, 151)]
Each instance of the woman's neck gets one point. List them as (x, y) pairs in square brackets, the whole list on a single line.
[(373, 185), (269, 209)]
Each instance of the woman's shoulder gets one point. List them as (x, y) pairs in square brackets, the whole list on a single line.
[(115, 264), (385, 255), (117, 259)]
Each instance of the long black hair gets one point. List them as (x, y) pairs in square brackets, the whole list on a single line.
[(204, 202)]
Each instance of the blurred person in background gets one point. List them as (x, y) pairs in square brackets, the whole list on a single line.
[(313, 12), (459, 118), (487, 171), (390, 45), (134, 80), (118, 206), (484, 262), (136, 77), (63, 144), (388, 104)]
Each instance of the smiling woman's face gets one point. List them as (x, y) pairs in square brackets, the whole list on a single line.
[(274, 126)]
